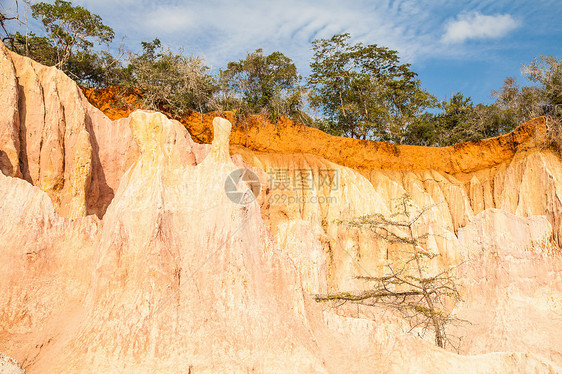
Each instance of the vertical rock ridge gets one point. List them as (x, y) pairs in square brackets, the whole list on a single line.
[(31, 117), (9, 116)]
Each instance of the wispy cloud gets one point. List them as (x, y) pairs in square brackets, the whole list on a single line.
[(169, 19), (478, 26), (430, 34), (420, 30), (224, 30)]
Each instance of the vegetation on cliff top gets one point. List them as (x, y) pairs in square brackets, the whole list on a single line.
[(355, 90)]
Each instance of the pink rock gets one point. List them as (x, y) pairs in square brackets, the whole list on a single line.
[(122, 251)]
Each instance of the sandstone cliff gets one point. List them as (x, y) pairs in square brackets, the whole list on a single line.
[(123, 253)]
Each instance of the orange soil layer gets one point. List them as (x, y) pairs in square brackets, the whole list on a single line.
[(287, 137)]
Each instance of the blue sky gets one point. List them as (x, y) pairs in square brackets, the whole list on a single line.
[(454, 46)]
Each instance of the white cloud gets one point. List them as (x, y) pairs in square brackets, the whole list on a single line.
[(224, 30), (478, 26), (169, 20)]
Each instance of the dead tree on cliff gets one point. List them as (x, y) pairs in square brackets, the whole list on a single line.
[(5, 15), (409, 287)]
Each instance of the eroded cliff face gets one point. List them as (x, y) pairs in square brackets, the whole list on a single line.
[(122, 252), (512, 285), (51, 137), (321, 179)]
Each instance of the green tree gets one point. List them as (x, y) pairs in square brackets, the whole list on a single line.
[(170, 81), (461, 120), (96, 69), (38, 48), (70, 28), (364, 91), (71, 31), (423, 131), (263, 84), (454, 122), (88, 68)]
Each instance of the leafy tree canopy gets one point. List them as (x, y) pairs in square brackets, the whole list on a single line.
[(70, 33), (364, 91), (263, 84), (38, 48), (71, 27)]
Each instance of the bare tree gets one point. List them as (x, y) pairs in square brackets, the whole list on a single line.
[(11, 14), (410, 287)]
